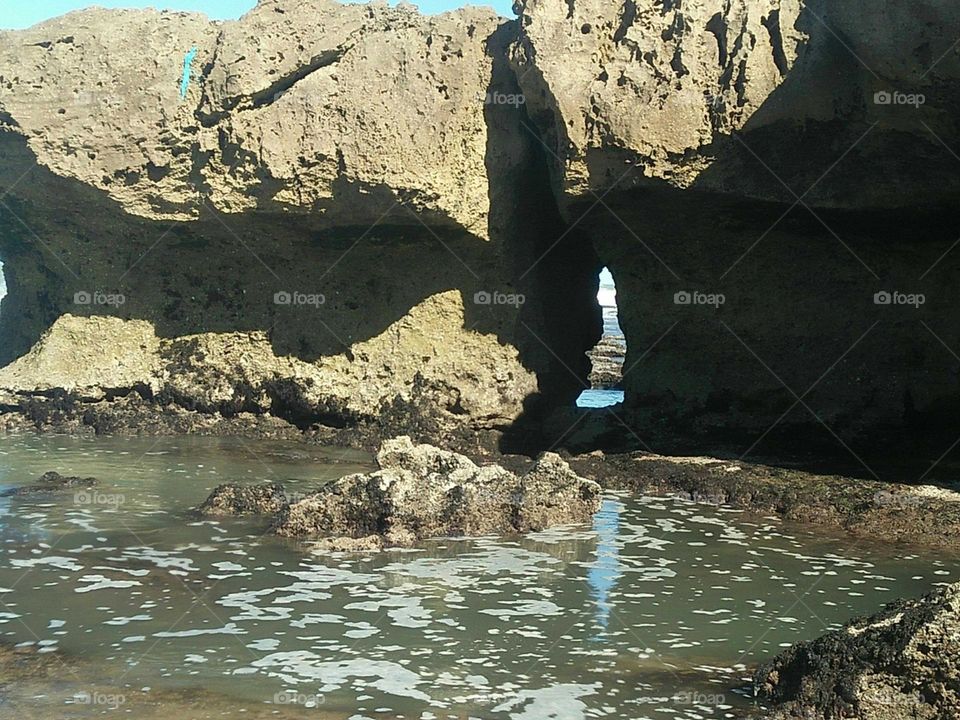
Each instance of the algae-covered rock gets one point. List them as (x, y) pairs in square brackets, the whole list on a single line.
[(901, 664), (421, 491), (232, 499)]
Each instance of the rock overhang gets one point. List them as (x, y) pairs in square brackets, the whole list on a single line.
[(303, 126)]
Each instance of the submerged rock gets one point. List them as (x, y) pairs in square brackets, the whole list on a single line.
[(927, 515), (51, 482), (421, 491), (903, 662), (231, 499)]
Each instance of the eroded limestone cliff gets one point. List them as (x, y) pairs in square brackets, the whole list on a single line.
[(324, 212), (330, 213), (773, 185)]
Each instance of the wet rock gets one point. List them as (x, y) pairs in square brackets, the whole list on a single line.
[(421, 491), (370, 543), (902, 663), (231, 500), (925, 515), (552, 494), (134, 414), (51, 482)]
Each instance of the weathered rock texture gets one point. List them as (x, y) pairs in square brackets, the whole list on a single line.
[(902, 663), (748, 149), (305, 228), (606, 363), (685, 93), (421, 491), (232, 500), (314, 223)]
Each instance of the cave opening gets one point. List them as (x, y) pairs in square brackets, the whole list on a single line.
[(607, 356)]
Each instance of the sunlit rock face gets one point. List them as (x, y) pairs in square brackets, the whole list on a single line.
[(754, 174), (421, 491), (662, 93), (395, 213), (318, 197)]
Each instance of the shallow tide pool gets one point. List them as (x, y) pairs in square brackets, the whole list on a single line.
[(657, 610)]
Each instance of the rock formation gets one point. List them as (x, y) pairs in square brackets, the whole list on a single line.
[(895, 513), (606, 363), (901, 663), (232, 500), (421, 491), (357, 216), (769, 183), (52, 482), (319, 224)]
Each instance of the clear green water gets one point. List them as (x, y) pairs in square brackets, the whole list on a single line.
[(655, 611)]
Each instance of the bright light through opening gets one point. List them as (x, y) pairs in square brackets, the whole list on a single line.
[(606, 381)]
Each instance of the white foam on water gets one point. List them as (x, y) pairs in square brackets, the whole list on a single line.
[(550, 703), (121, 621), (299, 666), (101, 582), (57, 561), (521, 608), (228, 629)]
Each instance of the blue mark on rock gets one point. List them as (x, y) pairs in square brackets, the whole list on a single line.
[(185, 80)]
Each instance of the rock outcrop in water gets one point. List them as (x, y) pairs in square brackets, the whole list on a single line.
[(895, 513), (356, 216), (606, 364), (52, 482), (903, 663), (232, 500), (422, 491)]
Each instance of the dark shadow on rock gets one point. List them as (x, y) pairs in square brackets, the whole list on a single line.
[(802, 362), (551, 263), (315, 289)]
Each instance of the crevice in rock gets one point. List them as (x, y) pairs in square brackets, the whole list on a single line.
[(772, 24), (718, 26), (276, 89), (554, 263), (273, 92), (627, 19)]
